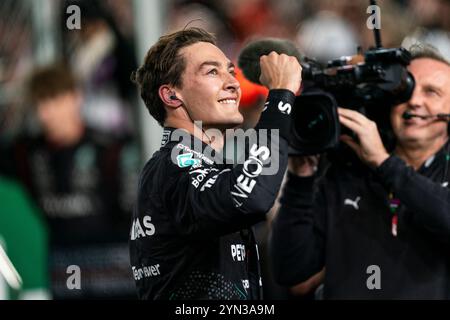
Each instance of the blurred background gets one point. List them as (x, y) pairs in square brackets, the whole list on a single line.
[(74, 133)]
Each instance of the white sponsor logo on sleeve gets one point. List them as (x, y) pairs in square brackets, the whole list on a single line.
[(142, 230), (285, 108), (252, 168)]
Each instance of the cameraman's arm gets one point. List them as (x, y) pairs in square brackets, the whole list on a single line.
[(429, 201), (297, 239), (306, 287)]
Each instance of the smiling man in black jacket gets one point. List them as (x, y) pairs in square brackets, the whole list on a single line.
[(380, 227), (191, 236)]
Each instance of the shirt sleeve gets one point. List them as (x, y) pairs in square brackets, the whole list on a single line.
[(208, 200), (297, 241), (427, 200)]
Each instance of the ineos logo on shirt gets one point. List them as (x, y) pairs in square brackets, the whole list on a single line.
[(137, 231), (253, 167)]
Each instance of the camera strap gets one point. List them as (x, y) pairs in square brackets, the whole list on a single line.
[(394, 203)]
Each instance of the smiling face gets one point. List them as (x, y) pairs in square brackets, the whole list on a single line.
[(209, 88), (431, 96)]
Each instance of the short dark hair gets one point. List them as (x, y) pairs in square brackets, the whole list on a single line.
[(422, 51), (164, 65), (50, 81)]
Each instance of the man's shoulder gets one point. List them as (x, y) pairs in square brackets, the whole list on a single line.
[(161, 161), (175, 160)]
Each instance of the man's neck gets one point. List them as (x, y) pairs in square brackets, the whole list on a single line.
[(69, 137), (415, 155), (214, 141)]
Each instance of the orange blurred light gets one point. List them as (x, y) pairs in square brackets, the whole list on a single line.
[(251, 92)]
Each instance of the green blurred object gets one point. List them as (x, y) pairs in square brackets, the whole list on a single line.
[(23, 235)]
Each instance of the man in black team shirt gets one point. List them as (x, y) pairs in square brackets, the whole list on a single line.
[(83, 183), (191, 237), (380, 226)]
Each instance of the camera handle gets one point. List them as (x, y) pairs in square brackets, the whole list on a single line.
[(376, 31)]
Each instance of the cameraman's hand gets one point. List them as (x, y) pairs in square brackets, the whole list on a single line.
[(280, 71), (370, 148), (303, 166)]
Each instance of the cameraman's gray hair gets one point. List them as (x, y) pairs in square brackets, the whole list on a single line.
[(423, 50)]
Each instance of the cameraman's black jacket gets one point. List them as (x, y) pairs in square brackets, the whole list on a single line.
[(190, 237), (345, 226)]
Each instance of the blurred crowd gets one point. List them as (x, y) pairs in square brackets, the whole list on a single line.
[(69, 132)]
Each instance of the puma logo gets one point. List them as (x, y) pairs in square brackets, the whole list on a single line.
[(354, 204), (445, 184)]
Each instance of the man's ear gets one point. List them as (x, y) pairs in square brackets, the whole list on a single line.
[(169, 97)]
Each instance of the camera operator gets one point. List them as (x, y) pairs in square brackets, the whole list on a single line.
[(380, 227), (191, 236)]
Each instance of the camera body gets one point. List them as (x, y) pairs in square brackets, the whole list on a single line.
[(371, 83)]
